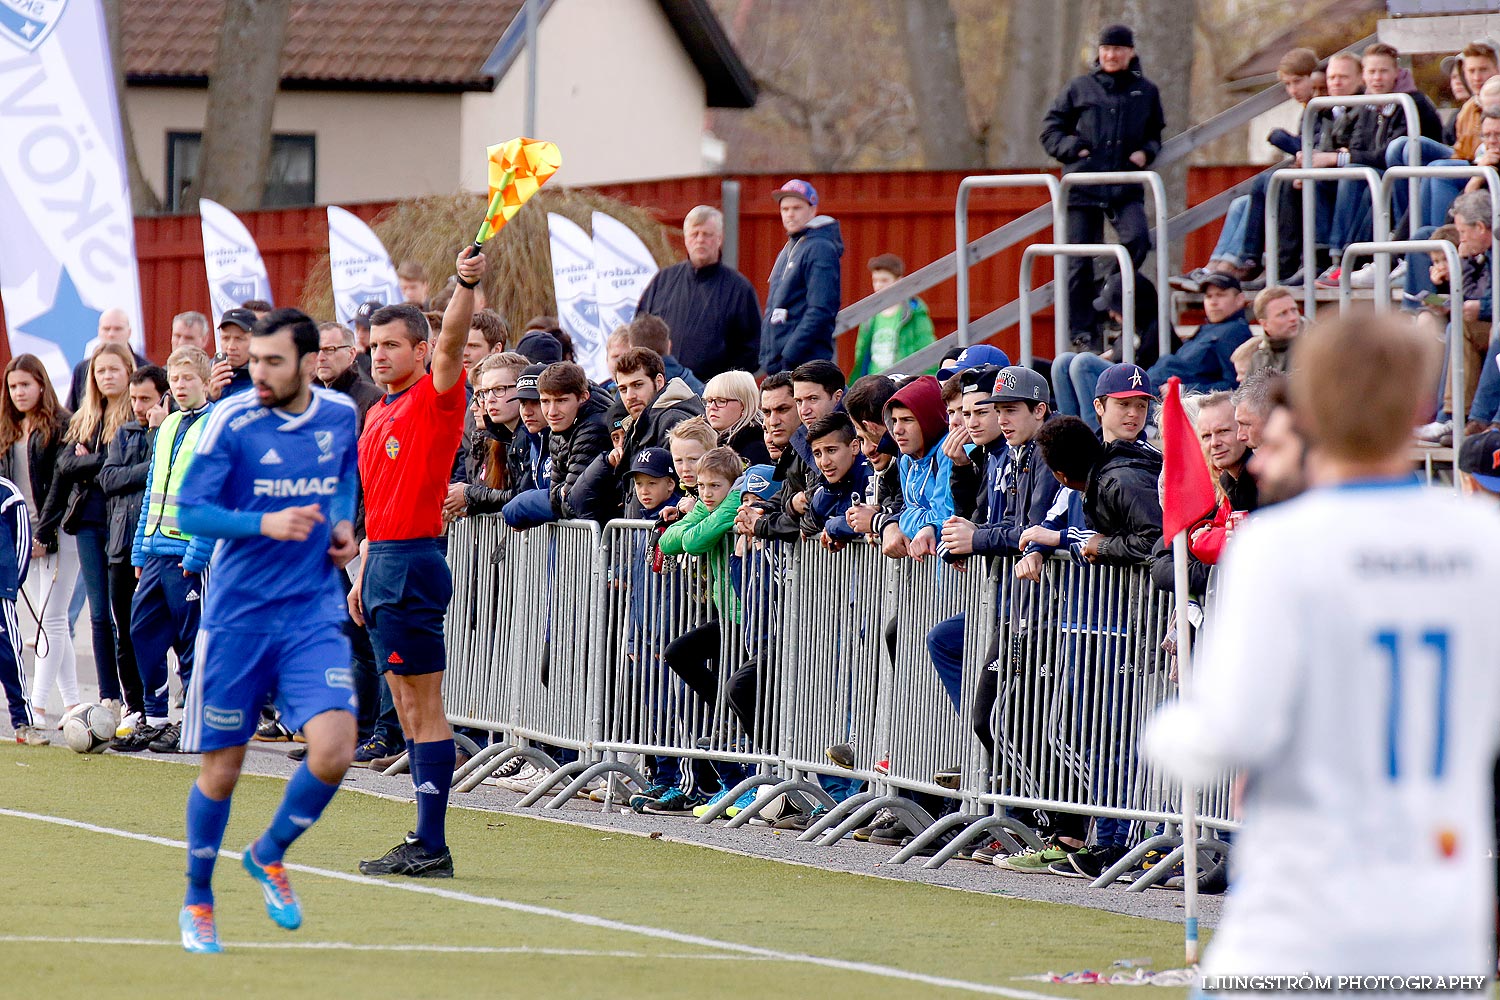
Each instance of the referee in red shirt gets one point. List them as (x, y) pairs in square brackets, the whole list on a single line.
[(405, 457)]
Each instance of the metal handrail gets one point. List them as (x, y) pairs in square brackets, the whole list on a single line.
[(961, 233), (1455, 314), (1309, 203), (1492, 181), (1380, 224), (1152, 182), (1127, 275)]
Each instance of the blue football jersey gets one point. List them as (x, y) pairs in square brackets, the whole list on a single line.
[(251, 460)]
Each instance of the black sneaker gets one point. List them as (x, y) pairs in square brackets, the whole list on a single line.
[(884, 820), (168, 740), (1091, 862), (272, 732), (139, 740), (411, 859)]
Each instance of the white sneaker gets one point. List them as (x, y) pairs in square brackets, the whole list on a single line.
[(1365, 276), (1435, 432), (31, 736), (518, 782), (529, 782), (129, 724)]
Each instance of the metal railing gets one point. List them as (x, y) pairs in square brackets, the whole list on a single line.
[(1151, 181), (1060, 336), (961, 233), (1379, 219), (582, 650), (1455, 314)]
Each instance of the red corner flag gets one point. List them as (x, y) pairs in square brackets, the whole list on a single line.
[(1188, 495)]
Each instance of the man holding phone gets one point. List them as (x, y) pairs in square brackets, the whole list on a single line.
[(231, 365)]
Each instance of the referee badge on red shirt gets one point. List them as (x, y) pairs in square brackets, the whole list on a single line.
[(392, 447)]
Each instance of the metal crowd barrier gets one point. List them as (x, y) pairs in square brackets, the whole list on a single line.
[(1061, 337), (559, 639), (1380, 226), (961, 236)]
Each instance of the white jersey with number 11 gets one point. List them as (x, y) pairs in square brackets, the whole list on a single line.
[(1350, 668)]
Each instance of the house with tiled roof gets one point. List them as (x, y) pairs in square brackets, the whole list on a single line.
[(384, 99)]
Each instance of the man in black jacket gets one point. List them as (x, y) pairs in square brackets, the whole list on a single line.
[(1106, 120), (574, 411), (123, 478), (337, 346), (817, 390), (710, 308), (1120, 502)]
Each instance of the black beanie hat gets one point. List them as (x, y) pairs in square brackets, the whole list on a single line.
[(1117, 34)]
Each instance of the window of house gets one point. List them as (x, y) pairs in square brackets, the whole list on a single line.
[(291, 175)]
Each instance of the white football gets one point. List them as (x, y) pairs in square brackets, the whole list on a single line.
[(89, 729)]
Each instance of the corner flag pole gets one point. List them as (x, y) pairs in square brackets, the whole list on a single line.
[(1189, 790)]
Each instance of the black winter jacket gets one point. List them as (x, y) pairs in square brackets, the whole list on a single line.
[(42, 450), (797, 475), (1366, 132), (75, 474), (713, 314), (354, 384), (575, 449), (604, 491), (1121, 502), (1111, 115), (750, 444), (520, 470), (124, 478)]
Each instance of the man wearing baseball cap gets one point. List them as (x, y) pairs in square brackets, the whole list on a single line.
[(804, 294), (1479, 461), (1205, 362), (1121, 502), (231, 371)]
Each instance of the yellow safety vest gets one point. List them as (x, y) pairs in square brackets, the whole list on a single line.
[(167, 475)]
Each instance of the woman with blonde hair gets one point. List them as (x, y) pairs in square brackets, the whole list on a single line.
[(32, 424), (731, 404), (76, 503)]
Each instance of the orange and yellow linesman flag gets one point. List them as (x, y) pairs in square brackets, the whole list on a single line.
[(518, 169)]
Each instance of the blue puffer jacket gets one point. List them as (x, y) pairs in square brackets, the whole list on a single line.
[(803, 299)]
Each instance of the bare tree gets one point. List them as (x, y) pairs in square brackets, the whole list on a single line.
[(143, 199), (937, 86), (1039, 55), (241, 98)]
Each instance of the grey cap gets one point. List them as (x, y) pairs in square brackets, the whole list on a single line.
[(1020, 384)]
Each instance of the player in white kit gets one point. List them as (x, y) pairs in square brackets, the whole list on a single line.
[(1348, 669)]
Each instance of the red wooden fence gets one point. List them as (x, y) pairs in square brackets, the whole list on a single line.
[(909, 213)]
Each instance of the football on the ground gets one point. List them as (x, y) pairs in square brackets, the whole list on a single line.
[(89, 729)]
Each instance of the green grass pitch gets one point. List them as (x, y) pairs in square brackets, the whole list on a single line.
[(626, 916)]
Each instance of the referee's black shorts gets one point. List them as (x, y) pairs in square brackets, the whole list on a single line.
[(406, 590)]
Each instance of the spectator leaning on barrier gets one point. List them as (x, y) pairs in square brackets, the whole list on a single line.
[(574, 411), (1252, 404), (498, 453), (894, 333), (844, 474), (1121, 501), (1280, 319), (528, 463), (803, 299), (1109, 119), (731, 405), (918, 426), (710, 307), (652, 332), (881, 506), (1205, 362), (817, 391)]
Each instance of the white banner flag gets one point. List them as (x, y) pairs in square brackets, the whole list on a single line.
[(362, 270), (67, 252), (623, 267), (235, 271), (573, 283)]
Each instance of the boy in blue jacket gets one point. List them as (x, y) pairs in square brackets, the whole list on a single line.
[(846, 477), (918, 424)]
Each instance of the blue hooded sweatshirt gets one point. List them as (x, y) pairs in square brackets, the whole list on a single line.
[(803, 299)]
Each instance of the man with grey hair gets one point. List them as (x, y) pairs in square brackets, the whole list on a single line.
[(337, 345), (1253, 402), (190, 329), (710, 308)]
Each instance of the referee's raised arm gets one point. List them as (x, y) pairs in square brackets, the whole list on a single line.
[(448, 353)]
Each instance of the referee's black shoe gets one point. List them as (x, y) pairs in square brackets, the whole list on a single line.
[(412, 859)]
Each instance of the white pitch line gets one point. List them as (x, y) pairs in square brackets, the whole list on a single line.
[(583, 919), (434, 949)]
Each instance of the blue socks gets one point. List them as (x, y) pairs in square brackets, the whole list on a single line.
[(432, 776), (304, 801), (206, 819)]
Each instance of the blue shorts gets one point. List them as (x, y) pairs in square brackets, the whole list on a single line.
[(406, 590), (307, 672)]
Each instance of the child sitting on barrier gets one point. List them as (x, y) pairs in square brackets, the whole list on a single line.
[(694, 655), (846, 476)]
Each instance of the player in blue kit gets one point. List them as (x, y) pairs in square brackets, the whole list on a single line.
[(274, 476)]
